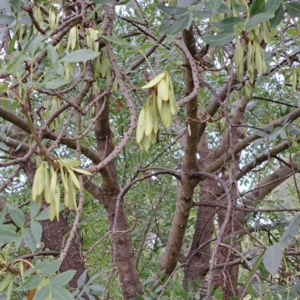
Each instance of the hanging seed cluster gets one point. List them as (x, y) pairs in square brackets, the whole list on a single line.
[(161, 103)]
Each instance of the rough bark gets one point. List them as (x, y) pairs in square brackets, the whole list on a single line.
[(187, 185), (108, 195)]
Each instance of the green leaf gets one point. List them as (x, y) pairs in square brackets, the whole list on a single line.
[(56, 83), (257, 19), (36, 230), (293, 8), (275, 21), (181, 23), (102, 1), (290, 231), (215, 4), (52, 54), (16, 215), (224, 9), (7, 19), (201, 14), (80, 56), (34, 209), (52, 267), (28, 239), (271, 6), (82, 279), (59, 293), (186, 3), (272, 258), (172, 10), (9, 236), (257, 6), (43, 293), (145, 46), (164, 25), (256, 265), (2, 214), (219, 39), (93, 278), (25, 20), (228, 23), (218, 293), (97, 288), (116, 41), (3, 87), (30, 283), (62, 278), (44, 215)]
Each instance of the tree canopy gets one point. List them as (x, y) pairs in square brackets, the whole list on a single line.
[(149, 149)]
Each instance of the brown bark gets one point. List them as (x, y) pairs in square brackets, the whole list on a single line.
[(108, 195), (187, 184)]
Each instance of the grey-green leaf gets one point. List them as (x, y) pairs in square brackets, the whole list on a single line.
[(43, 293), (257, 19), (172, 10), (257, 6), (36, 230), (28, 239), (59, 293), (116, 41), (271, 6), (7, 19), (224, 9), (201, 14), (293, 8), (272, 258), (80, 56), (215, 4), (30, 283), (34, 209), (63, 278), (56, 83), (290, 231), (52, 267), (52, 54), (179, 24), (275, 21), (16, 215), (44, 215), (227, 24), (219, 39), (9, 236)]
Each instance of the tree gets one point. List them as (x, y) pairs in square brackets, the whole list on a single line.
[(145, 147)]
